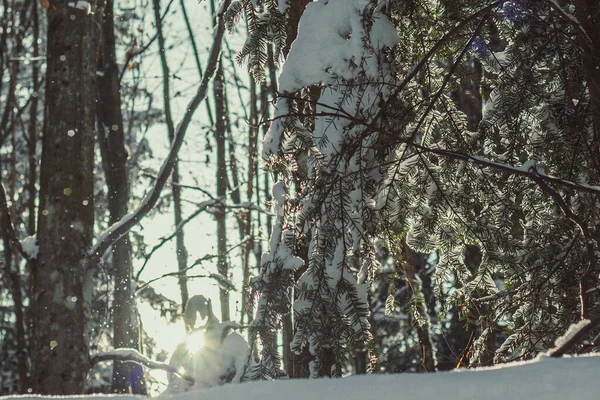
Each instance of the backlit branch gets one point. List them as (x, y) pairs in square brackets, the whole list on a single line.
[(121, 227)]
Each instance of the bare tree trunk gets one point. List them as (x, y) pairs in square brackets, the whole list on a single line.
[(32, 160), (220, 214), (33, 128), (186, 19), (127, 377), (236, 196), (412, 261), (11, 265), (249, 245), (588, 15), (62, 279), (175, 187), (271, 90), (297, 365)]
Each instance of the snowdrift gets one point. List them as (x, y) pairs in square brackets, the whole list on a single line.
[(576, 378)]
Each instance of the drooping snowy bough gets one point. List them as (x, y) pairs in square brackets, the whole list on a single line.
[(341, 46), (467, 139)]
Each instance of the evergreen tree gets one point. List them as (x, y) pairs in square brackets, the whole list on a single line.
[(507, 200)]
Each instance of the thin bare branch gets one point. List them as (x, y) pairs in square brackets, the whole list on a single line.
[(126, 223), (132, 355)]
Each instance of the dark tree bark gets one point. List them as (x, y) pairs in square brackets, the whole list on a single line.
[(296, 10), (221, 179), (127, 377), (11, 270), (33, 124), (62, 277), (297, 365), (414, 261), (220, 214), (247, 223), (188, 26), (588, 15)]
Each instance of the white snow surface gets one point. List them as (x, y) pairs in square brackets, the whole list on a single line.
[(542, 379)]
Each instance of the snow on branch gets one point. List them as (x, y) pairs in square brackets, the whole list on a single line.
[(81, 5), (119, 228), (575, 334), (132, 355), (30, 246)]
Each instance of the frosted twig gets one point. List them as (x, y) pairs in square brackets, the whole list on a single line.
[(574, 338), (132, 355), (218, 277), (201, 207)]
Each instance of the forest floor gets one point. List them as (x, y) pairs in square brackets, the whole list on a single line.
[(545, 378)]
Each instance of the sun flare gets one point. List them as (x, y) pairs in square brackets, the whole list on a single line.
[(195, 341)]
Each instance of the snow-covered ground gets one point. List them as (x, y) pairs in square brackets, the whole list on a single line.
[(571, 378)]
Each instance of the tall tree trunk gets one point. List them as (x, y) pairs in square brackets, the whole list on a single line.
[(127, 377), (180, 248), (192, 37), (62, 278), (32, 159), (220, 214), (221, 178), (33, 127), (414, 261), (247, 225), (588, 15), (11, 265), (297, 365), (233, 185)]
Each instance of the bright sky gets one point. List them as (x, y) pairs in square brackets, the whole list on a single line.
[(200, 234)]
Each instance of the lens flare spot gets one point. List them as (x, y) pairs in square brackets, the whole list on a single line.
[(195, 341)]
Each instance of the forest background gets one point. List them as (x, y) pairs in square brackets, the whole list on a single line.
[(426, 195)]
